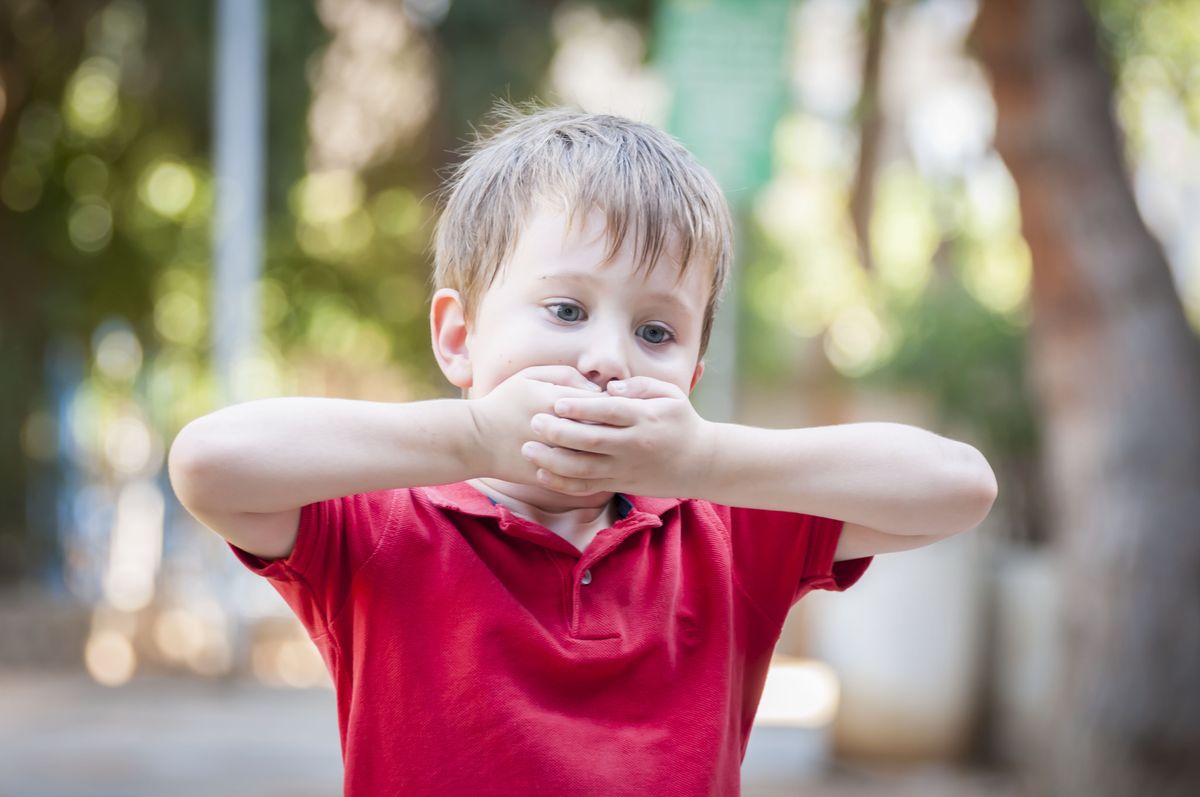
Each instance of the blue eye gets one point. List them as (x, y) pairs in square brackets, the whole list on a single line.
[(654, 334), (661, 334), (575, 311)]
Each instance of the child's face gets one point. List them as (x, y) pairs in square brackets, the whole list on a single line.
[(554, 304)]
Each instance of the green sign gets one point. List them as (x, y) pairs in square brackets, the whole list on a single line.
[(727, 64)]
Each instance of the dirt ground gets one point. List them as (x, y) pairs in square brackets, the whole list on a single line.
[(61, 735)]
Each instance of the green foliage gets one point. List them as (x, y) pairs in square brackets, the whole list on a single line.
[(969, 361), (1153, 51)]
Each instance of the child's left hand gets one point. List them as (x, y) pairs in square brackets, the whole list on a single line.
[(644, 440)]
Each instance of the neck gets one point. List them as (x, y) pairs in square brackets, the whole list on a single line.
[(559, 512)]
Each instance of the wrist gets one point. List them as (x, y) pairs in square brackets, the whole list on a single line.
[(704, 457), (475, 452)]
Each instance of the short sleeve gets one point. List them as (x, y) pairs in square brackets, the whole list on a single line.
[(779, 557), (335, 538)]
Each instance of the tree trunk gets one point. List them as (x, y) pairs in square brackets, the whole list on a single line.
[(1116, 373)]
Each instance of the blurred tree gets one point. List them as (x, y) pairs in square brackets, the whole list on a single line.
[(1117, 377), (870, 126), (40, 47), (105, 202), (489, 50), (104, 192)]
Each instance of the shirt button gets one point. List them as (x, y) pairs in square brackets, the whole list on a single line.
[(587, 577)]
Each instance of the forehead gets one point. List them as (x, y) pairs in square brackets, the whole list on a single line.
[(548, 251)]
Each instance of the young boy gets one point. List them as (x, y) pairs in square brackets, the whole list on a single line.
[(566, 582)]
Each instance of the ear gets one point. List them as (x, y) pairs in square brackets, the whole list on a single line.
[(448, 332), (699, 372)]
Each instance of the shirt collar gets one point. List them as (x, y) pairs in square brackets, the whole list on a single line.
[(462, 497)]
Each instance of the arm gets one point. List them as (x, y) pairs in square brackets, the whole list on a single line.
[(282, 453), (888, 478), (246, 470)]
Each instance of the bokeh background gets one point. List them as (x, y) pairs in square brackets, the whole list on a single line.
[(978, 217)]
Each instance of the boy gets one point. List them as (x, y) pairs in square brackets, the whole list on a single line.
[(566, 582)]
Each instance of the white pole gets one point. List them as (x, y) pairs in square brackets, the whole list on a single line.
[(238, 168), (237, 241)]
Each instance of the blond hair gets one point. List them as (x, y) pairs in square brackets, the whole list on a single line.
[(640, 177)]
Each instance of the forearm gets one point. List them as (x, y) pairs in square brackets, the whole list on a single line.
[(279, 453), (887, 476)]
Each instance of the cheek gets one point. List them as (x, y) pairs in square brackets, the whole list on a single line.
[(514, 350), (678, 372)]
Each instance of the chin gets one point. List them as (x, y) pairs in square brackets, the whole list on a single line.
[(554, 495)]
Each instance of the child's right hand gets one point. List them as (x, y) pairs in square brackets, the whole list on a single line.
[(502, 416)]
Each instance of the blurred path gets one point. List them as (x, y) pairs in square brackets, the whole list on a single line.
[(62, 735)]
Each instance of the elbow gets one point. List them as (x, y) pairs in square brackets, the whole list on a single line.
[(975, 488), (179, 464), (185, 464), (980, 486)]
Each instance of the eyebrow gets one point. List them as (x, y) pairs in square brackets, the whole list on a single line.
[(575, 276)]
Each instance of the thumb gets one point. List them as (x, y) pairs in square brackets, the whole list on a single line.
[(643, 387), (561, 375)]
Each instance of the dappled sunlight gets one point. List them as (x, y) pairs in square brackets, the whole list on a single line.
[(999, 275), (118, 351), (179, 318), (826, 68), (600, 66), (260, 373), (798, 692), (857, 341), (331, 221), (135, 547), (90, 225), (130, 446), (109, 657), (373, 86), (904, 231), (91, 102), (168, 188), (289, 661)]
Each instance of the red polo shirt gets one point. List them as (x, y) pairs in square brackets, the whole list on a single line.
[(475, 652)]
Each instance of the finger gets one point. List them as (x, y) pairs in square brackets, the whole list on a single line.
[(561, 375), (604, 409), (566, 433), (563, 462), (561, 484), (644, 387)]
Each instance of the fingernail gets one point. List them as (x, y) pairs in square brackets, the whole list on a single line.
[(616, 387), (595, 387)]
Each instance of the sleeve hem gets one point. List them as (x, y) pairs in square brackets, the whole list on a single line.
[(826, 574), (285, 568)]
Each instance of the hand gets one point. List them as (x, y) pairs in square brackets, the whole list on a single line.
[(502, 416), (645, 440)]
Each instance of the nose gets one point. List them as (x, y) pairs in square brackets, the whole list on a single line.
[(604, 357)]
